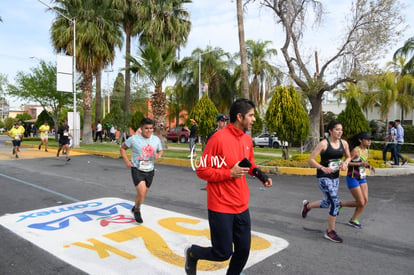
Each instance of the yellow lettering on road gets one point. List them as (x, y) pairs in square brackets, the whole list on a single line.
[(173, 225), (103, 249), (158, 247), (258, 243)]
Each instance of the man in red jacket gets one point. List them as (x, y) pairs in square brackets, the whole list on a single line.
[(226, 160)]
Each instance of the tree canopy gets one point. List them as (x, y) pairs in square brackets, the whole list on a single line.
[(369, 28), (287, 116)]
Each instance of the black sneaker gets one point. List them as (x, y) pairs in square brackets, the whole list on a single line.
[(332, 236), (305, 209), (17, 156), (190, 265), (39, 147), (46, 150), (67, 159), (137, 216), (405, 162)]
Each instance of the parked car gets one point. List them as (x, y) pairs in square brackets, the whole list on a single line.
[(178, 133), (263, 141)]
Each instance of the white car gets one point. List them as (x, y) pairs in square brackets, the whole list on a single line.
[(263, 141)]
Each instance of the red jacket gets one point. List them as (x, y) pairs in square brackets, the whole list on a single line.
[(226, 147)]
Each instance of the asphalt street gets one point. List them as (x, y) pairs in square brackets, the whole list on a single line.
[(385, 245)]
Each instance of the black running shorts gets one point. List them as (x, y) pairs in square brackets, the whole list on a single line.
[(138, 176)]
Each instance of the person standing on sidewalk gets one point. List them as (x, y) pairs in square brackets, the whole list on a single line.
[(356, 178), (44, 135), (98, 131), (16, 134), (228, 192), (390, 140), (192, 137), (64, 141), (400, 141), (146, 148), (331, 150)]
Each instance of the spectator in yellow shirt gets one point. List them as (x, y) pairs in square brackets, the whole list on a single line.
[(16, 135), (44, 135)]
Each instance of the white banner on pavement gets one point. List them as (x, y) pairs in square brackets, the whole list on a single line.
[(101, 237)]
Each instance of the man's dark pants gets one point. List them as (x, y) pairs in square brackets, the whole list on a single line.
[(389, 147), (226, 229)]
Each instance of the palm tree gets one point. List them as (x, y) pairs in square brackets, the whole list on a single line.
[(214, 64), (165, 22), (156, 64), (407, 53), (132, 25), (387, 94), (404, 76), (166, 26), (243, 54), (263, 72), (405, 98), (97, 35)]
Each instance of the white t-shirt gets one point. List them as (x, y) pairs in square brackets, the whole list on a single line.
[(99, 127)]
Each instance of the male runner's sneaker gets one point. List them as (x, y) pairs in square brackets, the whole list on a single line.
[(332, 236), (190, 265), (67, 159), (137, 215), (404, 162), (355, 223), (17, 156), (46, 150), (40, 146), (305, 209)]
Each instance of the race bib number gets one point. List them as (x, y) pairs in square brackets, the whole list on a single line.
[(46, 132), (334, 164), (362, 172), (65, 134), (17, 137), (145, 165)]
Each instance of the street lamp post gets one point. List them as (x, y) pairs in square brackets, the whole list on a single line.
[(73, 21), (108, 92)]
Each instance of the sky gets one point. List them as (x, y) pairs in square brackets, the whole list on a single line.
[(25, 33)]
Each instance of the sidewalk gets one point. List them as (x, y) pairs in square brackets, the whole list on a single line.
[(407, 169)]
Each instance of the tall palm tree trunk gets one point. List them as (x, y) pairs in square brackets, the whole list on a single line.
[(87, 108), (98, 98), (127, 75), (159, 106), (244, 71)]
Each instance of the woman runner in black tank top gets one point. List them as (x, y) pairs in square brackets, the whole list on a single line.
[(331, 151)]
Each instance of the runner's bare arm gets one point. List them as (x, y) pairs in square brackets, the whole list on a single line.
[(124, 155)]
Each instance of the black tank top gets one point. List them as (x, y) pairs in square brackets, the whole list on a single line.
[(331, 158)]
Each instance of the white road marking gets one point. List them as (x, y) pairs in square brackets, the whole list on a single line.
[(101, 237)]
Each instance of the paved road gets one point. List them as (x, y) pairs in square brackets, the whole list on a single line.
[(384, 246)]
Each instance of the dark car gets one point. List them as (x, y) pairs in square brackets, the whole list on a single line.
[(178, 133)]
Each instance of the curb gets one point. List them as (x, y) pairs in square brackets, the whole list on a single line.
[(383, 172)]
